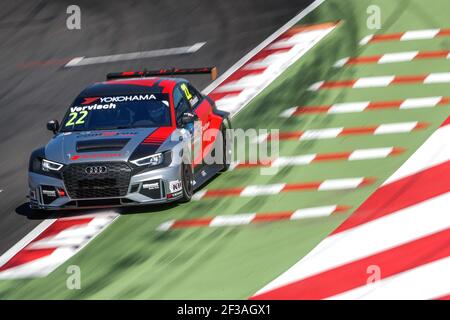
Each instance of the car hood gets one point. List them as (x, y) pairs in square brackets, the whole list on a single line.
[(96, 146)]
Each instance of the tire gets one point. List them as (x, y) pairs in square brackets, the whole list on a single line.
[(187, 179)]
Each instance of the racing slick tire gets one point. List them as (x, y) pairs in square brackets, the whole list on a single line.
[(187, 182)]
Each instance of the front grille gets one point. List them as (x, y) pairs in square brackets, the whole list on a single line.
[(81, 185)]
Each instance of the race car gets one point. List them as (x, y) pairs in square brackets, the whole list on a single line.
[(137, 138)]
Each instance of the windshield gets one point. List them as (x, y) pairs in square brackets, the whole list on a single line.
[(118, 112)]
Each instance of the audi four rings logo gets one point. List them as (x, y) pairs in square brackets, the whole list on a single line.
[(96, 170)]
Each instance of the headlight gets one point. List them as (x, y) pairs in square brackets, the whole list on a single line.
[(152, 160), (48, 165)]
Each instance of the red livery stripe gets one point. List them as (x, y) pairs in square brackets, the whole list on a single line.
[(159, 135)]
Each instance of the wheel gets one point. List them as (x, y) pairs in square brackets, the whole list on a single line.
[(187, 181)]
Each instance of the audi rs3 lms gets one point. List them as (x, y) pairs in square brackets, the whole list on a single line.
[(137, 138)]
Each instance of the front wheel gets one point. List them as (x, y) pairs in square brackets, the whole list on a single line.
[(187, 180)]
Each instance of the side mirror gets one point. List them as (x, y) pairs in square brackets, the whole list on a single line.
[(53, 125), (188, 117)]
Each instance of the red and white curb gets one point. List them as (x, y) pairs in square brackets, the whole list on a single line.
[(252, 218), (425, 34), (329, 133), (393, 58), (274, 189), (50, 244), (402, 230), (351, 107), (382, 81), (255, 74), (359, 154)]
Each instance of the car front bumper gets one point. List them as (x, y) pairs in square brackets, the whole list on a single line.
[(151, 186)]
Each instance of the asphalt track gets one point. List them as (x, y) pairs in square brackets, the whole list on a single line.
[(35, 44)]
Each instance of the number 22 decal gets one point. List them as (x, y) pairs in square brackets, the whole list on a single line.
[(74, 115)]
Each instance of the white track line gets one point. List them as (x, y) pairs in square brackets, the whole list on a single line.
[(434, 151), (419, 34), (82, 61), (262, 45), (252, 218), (25, 241), (405, 36), (361, 106)]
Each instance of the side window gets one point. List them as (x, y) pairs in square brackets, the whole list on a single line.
[(191, 94), (181, 104)]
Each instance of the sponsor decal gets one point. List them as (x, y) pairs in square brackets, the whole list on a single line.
[(50, 193), (93, 156), (109, 134), (193, 99), (151, 186), (136, 97), (173, 195), (105, 134), (93, 107), (175, 186), (89, 100)]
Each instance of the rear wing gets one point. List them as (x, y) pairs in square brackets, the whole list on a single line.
[(162, 72)]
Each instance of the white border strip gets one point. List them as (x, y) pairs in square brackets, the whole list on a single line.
[(83, 61), (261, 46), (5, 257)]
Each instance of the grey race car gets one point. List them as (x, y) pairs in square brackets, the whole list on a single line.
[(132, 140)]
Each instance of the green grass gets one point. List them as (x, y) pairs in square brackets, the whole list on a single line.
[(133, 260)]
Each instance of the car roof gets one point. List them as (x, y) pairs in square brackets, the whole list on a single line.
[(132, 86)]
